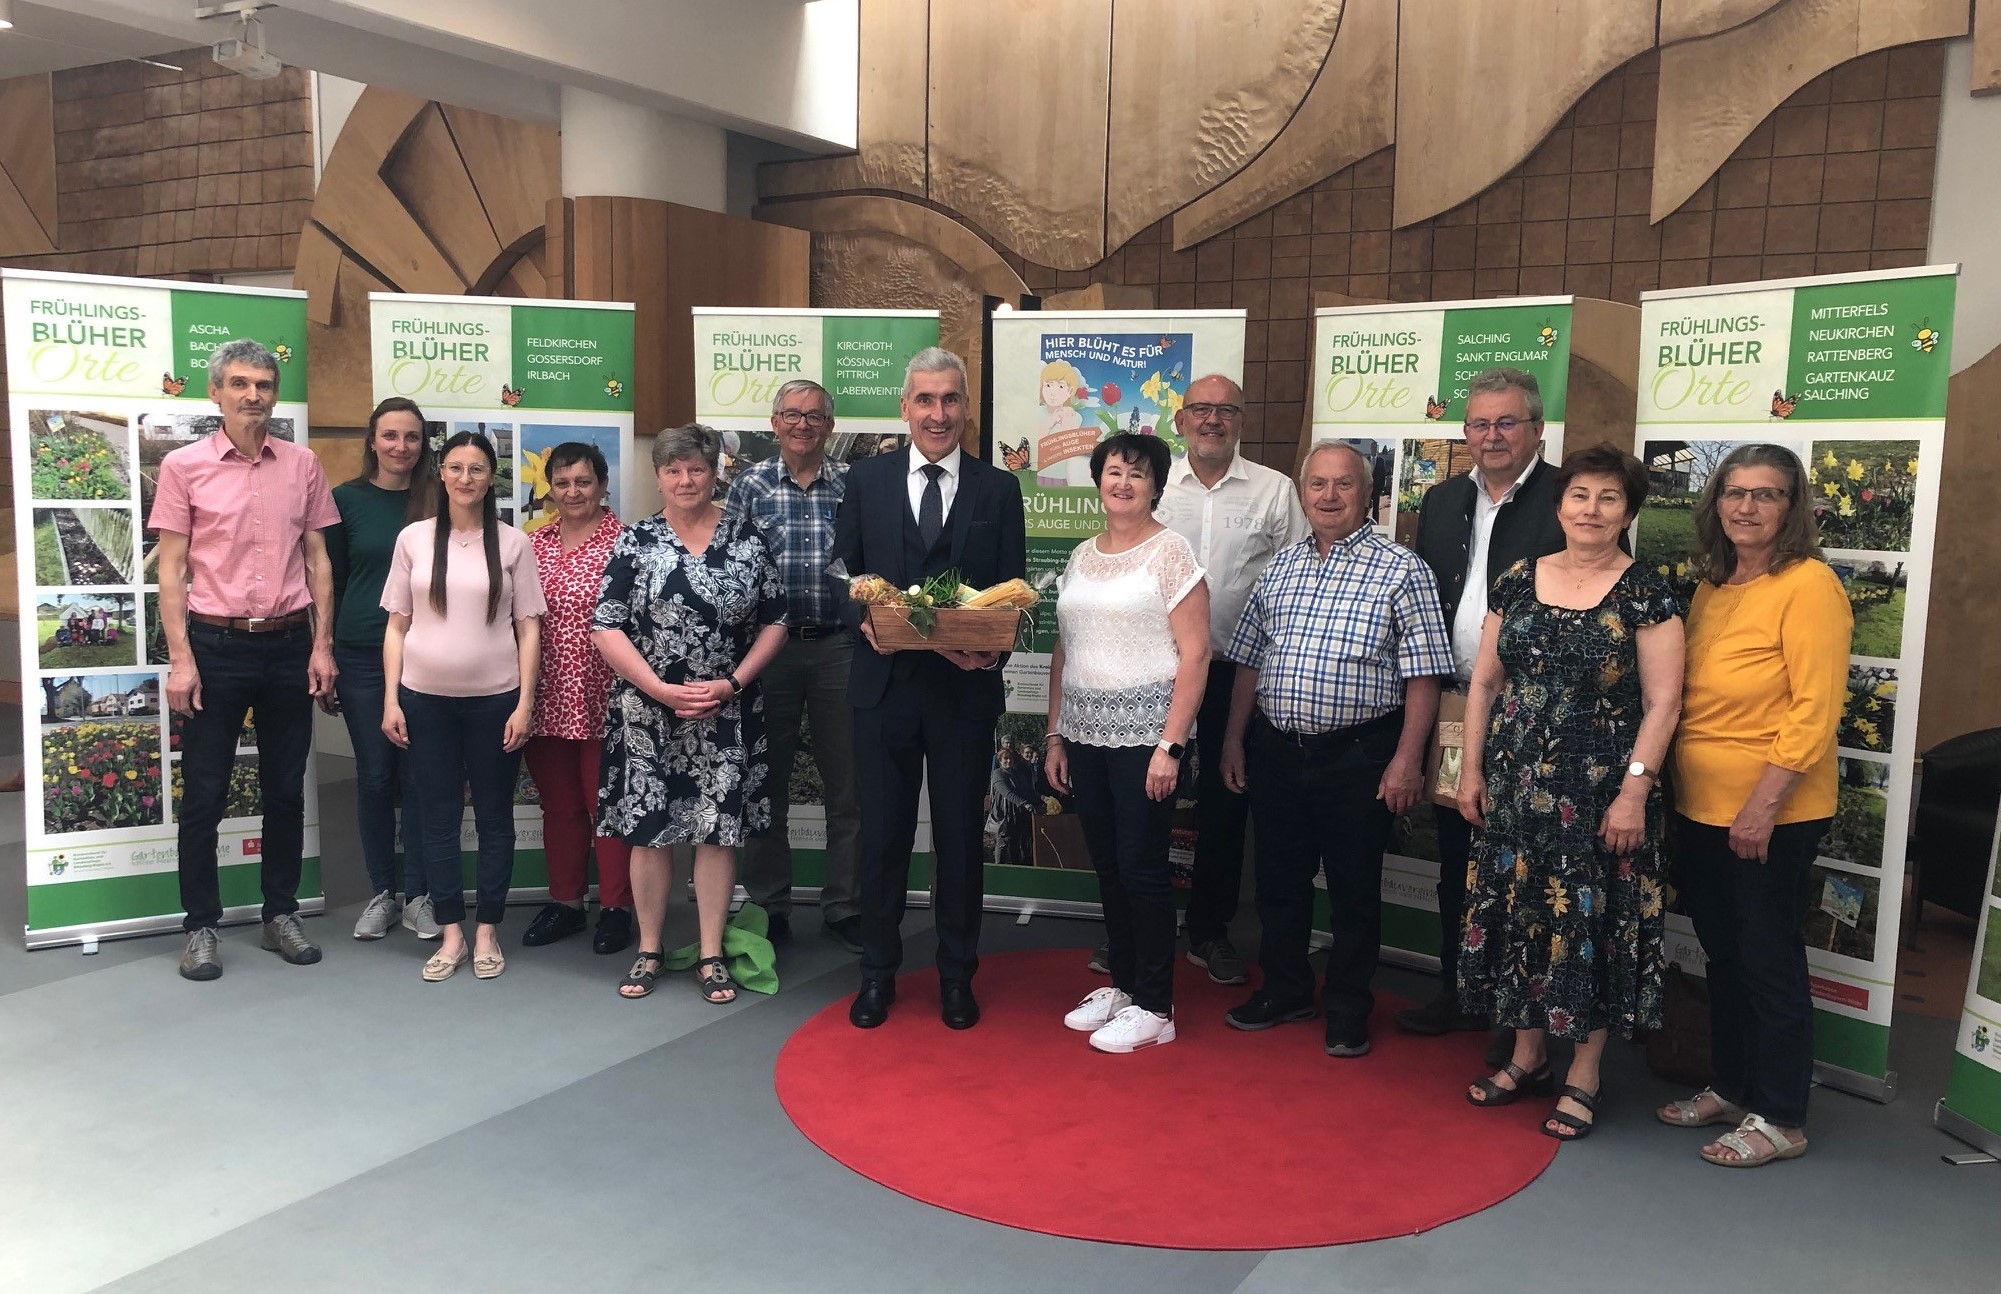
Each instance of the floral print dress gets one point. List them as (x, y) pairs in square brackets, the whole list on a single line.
[(665, 780), (1560, 935)]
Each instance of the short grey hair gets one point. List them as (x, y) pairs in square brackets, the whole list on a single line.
[(691, 441), (1503, 378), (241, 351), (1326, 443), (934, 359), (794, 387)]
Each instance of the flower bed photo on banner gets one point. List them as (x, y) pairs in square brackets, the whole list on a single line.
[(1678, 471), (1988, 982), (1862, 803), (82, 546), (1869, 714), (245, 799), (77, 456), (1864, 493), (1876, 591), (101, 775)]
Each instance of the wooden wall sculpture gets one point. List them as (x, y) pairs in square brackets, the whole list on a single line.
[(27, 166), (1963, 630), (417, 197)]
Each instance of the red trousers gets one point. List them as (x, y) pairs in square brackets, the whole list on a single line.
[(566, 777)]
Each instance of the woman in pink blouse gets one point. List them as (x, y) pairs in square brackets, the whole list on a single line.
[(461, 661), (562, 755)]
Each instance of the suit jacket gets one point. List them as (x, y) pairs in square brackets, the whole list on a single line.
[(876, 534), (1526, 526)]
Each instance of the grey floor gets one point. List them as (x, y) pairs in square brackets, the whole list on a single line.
[(345, 1127)]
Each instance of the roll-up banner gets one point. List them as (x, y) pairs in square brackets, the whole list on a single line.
[(1849, 372), (743, 355), (529, 375), (1061, 382), (105, 377), (1971, 1109), (1391, 381)]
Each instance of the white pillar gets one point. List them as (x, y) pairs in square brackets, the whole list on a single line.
[(612, 148)]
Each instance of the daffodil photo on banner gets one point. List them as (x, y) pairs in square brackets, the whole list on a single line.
[(529, 375), (1848, 372)]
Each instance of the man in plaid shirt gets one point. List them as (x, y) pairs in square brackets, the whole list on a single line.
[(794, 498), (1341, 651)]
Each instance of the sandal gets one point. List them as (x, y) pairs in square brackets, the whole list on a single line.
[(712, 980), (1579, 1128), (645, 970), (1740, 1152), (1686, 1115), (1493, 1095)]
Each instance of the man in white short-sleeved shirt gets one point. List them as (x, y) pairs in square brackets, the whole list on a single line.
[(1235, 514)]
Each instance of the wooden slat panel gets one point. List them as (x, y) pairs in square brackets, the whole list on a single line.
[(1531, 61), (21, 233), (555, 255), (889, 112), (317, 272), (1688, 19), (428, 175), (1188, 114), (1986, 76), (523, 278), (1349, 113), (28, 145), (514, 165), (358, 209), (906, 221), (1018, 96), (342, 389)]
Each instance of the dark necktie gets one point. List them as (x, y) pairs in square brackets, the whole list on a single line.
[(931, 508)]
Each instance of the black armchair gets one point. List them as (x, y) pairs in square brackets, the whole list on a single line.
[(1953, 830)]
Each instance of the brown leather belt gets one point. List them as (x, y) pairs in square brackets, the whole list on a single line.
[(251, 624)]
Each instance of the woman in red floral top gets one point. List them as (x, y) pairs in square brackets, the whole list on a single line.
[(571, 551)]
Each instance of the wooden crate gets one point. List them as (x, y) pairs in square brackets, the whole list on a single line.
[(958, 629)]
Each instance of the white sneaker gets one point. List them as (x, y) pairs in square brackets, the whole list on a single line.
[(1096, 1010), (378, 916), (1134, 1028), (418, 920)]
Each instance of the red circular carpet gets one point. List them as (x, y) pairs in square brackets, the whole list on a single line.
[(1220, 1140)]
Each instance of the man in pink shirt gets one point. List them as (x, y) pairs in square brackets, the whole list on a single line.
[(240, 514)]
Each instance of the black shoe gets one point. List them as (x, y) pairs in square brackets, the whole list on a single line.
[(778, 928), (1348, 1041), (1500, 1047), (1262, 1012), (847, 932), (555, 921), (956, 1005), (871, 1006), (614, 932), (1438, 1016)]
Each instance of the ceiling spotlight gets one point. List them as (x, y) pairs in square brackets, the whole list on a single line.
[(244, 53), (6, 14)]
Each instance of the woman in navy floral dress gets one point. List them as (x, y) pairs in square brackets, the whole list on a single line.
[(1573, 702)]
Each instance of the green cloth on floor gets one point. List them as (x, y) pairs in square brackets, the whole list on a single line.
[(752, 961)]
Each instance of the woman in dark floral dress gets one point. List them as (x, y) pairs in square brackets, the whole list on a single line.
[(689, 614), (1573, 702)]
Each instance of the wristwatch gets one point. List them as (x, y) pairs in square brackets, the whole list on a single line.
[(1638, 769), (1173, 748)]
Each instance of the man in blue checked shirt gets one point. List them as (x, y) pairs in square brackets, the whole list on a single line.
[(794, 498), (1341, 652)]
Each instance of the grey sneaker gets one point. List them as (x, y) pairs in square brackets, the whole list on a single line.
[(378, 917), (1101, 960), (286, 937), (1221, 959), (417, 918), (201, 959)]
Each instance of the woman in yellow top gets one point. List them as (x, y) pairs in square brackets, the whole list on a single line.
[(1768, 636)]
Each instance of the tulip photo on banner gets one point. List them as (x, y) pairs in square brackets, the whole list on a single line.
[(1061, 382), (1971, 1109), (1849, 372), (1391, 381), (743, 355), (104, 378), (529, 375)]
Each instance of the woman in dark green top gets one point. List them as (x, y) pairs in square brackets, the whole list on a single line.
[(397, 485)]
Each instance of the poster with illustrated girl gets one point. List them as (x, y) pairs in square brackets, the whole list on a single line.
[(1096, 385)]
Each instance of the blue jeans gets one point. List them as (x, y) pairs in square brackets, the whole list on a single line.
[(380, 771), (455, 741)]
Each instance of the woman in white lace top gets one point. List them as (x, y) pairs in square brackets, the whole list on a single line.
[(1131, 659)]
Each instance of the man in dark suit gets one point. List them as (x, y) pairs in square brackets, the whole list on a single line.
[(1469, 530), (909, 516)]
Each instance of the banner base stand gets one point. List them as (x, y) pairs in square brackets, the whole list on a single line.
[(1406, 959), (1958, 1126), (89, 937), (1868, 1086)]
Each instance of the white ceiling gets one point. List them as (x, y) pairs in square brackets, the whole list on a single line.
[(46, 39)]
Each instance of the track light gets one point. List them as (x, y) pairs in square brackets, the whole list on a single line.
[(6, 14)]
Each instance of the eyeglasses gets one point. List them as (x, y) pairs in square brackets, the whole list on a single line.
[(1764, 496), (469, 472), (1202, 412), (1506, 426), (792, 418)]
